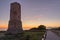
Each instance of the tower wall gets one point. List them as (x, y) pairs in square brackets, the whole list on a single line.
[(15, 24)]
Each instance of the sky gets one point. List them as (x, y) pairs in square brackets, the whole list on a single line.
[(33, 13)]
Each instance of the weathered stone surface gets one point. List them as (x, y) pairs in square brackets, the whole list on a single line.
[(15, 24)]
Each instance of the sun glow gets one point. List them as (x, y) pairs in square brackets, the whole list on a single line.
[(31, 24)]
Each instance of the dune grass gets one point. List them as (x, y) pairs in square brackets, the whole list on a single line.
[(34, 35), (26, 36)]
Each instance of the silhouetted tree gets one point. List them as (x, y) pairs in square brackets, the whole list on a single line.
[(41, 27)]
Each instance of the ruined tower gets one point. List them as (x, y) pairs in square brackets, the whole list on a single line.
[(15, 24)]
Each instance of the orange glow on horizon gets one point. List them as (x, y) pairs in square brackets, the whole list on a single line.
[(3, 26), (30, 25)]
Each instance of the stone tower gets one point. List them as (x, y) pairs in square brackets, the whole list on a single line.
[(15, 24)]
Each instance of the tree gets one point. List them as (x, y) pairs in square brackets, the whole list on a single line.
[(41, 27)]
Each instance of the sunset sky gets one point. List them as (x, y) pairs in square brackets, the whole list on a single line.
[(33, 13)]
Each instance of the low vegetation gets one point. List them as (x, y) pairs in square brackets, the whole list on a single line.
[(32, 34)]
